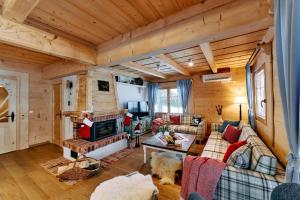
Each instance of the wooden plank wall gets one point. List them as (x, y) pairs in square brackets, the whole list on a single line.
[(101, 101), (40, 94), (205, 97), (273, 131)]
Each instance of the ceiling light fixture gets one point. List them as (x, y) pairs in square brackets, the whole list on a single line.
[(158, 67), (191, 63)]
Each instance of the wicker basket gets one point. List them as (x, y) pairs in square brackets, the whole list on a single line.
[(77, 173)]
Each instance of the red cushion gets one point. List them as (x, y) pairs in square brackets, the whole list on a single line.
[(232, 148), (231, 134), (175, 119)]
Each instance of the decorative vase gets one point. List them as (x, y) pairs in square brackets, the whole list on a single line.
[(220, 120)]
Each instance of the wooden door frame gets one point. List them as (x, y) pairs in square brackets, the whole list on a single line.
[(53, 111), (22, 107)]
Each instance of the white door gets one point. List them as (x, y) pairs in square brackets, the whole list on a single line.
[(7, 115)]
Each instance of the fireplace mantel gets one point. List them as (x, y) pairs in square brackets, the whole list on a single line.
[(78, 116)]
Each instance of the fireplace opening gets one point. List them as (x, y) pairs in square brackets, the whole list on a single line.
[(102, 129)]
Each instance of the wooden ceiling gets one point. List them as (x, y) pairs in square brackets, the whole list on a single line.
[(141, 38), (228, 53), (97, 21)]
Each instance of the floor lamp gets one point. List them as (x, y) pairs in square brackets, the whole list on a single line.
[(240, 100)]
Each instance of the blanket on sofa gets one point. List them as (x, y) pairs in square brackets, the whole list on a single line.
[(200, 174)]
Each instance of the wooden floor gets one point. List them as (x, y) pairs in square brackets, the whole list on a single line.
[(22, 177)]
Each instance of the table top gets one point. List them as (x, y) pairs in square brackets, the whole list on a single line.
[(185, 146)]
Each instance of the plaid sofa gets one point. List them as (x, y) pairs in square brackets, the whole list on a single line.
[(185, 125), (264, 175)]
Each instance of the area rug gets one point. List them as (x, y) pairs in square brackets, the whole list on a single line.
[(51, 166)]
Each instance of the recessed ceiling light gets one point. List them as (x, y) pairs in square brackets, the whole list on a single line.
[(191, 63)]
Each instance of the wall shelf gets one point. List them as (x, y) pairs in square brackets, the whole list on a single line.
[(139, 86)]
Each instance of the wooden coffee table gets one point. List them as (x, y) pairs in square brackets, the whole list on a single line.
[(154, 143)]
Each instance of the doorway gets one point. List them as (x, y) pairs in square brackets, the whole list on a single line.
[(8, 119), (57, 114)]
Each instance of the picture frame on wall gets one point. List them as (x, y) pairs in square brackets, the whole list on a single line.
[(103, 86)]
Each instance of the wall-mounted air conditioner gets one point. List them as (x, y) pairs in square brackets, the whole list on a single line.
[(219, 77)]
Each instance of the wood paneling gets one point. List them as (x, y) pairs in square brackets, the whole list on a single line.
[(57, 113), (40, 101), (102, 101), (205, 27), (101, 20), (19, 55), (18, 10), (273, 131), (206, 96), (265, 128)]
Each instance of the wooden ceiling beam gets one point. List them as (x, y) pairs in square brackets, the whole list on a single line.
[(27, 37), (141, 68), (18, 10), (177, 67), (211, 25), (208, 54), (63, 68)]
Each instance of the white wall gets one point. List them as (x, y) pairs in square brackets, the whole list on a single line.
[(128, 92)]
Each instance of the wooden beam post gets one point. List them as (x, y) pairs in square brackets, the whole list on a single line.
[(64, 68), (173, 64), (211, 25), (208, 54), (27, 37), (18, 10), (141, 68)]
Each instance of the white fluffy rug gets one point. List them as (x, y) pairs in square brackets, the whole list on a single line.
[(165, 166), (134, 187)]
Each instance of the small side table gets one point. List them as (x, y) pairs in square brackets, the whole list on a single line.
[(137, 138)]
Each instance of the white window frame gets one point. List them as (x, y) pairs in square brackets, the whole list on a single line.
[(168, 101), (260, 96)]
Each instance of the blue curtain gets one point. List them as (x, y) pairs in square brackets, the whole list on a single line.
[(184, 87), (251, 117), (287, 22), (152, 95)]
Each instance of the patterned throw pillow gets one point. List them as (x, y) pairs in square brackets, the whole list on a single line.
[(231, 134), (226, 123), (232, 148), (240, 158), (175, 119), (196, 121)]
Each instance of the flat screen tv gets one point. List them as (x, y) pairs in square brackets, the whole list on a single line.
[(138, 108)]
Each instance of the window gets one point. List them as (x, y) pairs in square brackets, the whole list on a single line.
[(260, 97), (168, 101), (162, 101)]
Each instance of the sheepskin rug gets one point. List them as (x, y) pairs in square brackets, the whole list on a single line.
[(165, 165), (134, 187)]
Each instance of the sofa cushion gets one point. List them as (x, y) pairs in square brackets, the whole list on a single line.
[(232, 148), (231, 134), (184, 129), (262, 159), (186, 119), (226, 123), (175, 119), (246, 132), (240, 158), (215, 147), (165, 117)]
